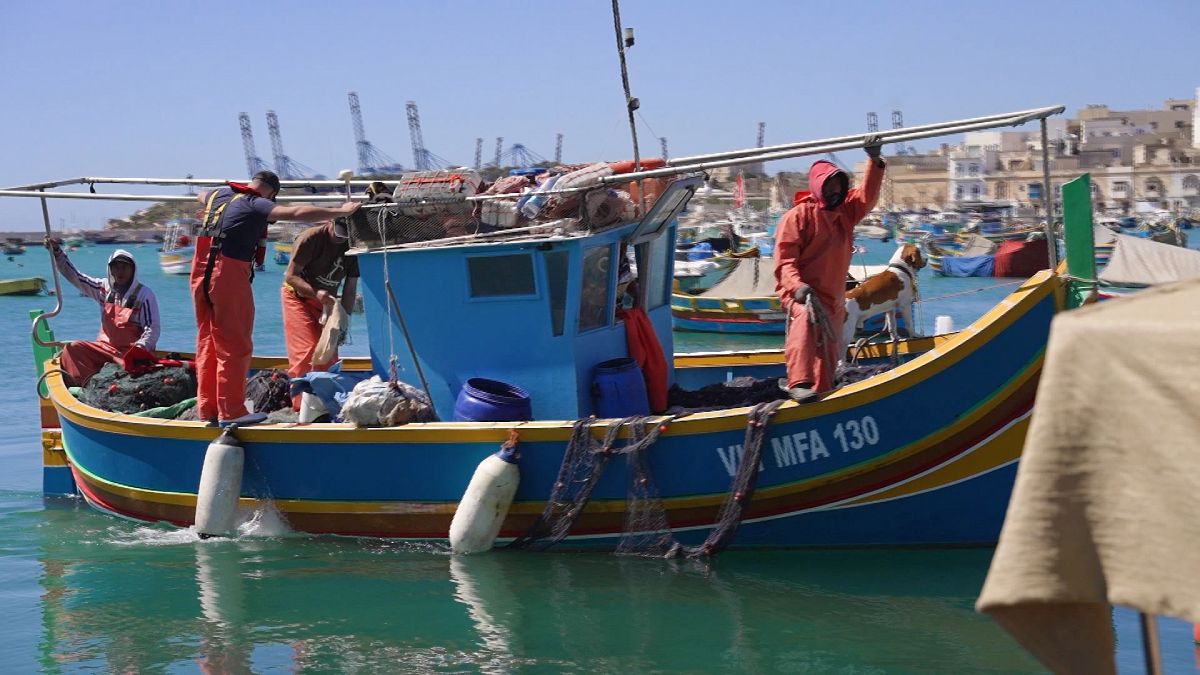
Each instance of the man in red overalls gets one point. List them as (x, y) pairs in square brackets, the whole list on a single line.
[(232, 236), (128, 315), (813, 245)]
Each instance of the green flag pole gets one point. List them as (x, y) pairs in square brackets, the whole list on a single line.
[(1078, 240)]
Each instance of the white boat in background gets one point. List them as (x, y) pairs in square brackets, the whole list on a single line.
[(175, 257)]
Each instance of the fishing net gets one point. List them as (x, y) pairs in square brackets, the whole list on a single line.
[(734, 393), (435, 206), (116, 390), (646, 529), (268, 390)]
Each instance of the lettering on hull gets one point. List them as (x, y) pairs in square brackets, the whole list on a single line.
[(809, 445)]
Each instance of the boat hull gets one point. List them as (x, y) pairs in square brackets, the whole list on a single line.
[(176, 261), (923, 455), (30, 286)]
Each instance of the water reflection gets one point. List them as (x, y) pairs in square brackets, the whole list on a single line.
[(117, 597)]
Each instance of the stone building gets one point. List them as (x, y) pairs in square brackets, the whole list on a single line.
[(1139, 160)]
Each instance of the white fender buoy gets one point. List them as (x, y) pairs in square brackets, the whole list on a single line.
[(484, 505), (220, 486)]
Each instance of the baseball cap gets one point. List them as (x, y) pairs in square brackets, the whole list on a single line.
[(339, 228)]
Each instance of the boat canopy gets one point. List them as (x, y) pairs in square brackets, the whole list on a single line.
[(1142, 262)]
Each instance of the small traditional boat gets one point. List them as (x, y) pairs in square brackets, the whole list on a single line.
[(177, 249), (13, 246), (26, 286), (744, 301), (923, 454)]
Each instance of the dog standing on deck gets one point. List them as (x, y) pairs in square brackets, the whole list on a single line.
[(892, 291)]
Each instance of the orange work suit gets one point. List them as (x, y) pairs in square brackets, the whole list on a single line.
[(301, 332), (81, 359), (224, 329), (813, 246)]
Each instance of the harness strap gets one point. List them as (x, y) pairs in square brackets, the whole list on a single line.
[(212, 223)]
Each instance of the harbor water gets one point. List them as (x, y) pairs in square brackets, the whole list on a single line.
[(81, 591)]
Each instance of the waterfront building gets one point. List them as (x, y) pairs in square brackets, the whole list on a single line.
[(1140, 161)]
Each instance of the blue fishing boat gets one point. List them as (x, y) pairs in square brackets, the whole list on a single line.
[(922, 454)]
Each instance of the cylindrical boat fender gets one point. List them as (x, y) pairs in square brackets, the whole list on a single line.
[(220, 486), (484, 505)]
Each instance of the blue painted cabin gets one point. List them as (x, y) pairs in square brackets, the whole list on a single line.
[(539, 313)]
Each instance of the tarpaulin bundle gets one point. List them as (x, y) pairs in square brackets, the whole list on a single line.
[(116, 390)]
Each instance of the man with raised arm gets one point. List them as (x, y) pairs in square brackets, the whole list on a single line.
[(129, 317), (813, 245), (232, 230)]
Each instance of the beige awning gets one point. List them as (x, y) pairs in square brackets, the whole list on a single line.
[(1106, 507)]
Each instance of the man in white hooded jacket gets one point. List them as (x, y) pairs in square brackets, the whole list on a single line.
[(128, 315)]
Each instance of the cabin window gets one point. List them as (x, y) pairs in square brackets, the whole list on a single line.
[(501, 276), (660, 264), (665, 209), (556, 283), (595, 307)]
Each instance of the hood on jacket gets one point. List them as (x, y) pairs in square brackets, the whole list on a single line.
[(822, 172), (122, 254)]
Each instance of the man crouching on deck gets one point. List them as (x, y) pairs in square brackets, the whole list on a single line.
[(813, 245), (128, 315)]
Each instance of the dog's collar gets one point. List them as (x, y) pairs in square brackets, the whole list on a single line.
[(903, 268)]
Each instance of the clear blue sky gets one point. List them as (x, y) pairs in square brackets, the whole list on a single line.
[(152, 88)]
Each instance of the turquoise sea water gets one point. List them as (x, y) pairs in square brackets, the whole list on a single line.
[(80, 591)]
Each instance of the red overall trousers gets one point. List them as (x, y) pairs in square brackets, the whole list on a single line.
[(301, 332), (81, 360), (224, 341)]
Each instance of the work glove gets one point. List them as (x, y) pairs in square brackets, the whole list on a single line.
[(873, 146), (137, 360), (801, 294)]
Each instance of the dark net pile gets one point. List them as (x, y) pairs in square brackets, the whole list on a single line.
[(115, 390), (268, 389), (646, 530), (735, 393)]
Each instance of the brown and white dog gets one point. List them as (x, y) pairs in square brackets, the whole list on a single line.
[(892, 291)]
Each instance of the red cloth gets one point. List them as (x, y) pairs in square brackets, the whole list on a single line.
[(1020, 258), (301, 332), (81, 360), (223, 334), (647, 351), (813, 246)]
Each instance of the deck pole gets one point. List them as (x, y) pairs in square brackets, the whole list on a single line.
[(42, 318), (1048, 199)]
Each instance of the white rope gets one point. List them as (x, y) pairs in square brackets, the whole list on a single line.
[(381, 225)]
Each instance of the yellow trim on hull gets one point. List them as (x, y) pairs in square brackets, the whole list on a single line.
[(944, 355)]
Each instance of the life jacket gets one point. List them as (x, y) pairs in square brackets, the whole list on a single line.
[(210, 226)]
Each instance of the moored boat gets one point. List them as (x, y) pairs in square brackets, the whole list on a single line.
[(26, 286), (177, 249)]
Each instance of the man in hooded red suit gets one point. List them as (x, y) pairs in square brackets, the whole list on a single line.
[(813, 245)]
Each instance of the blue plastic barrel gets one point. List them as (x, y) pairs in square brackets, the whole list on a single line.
[(619, 390), (484, 400)]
